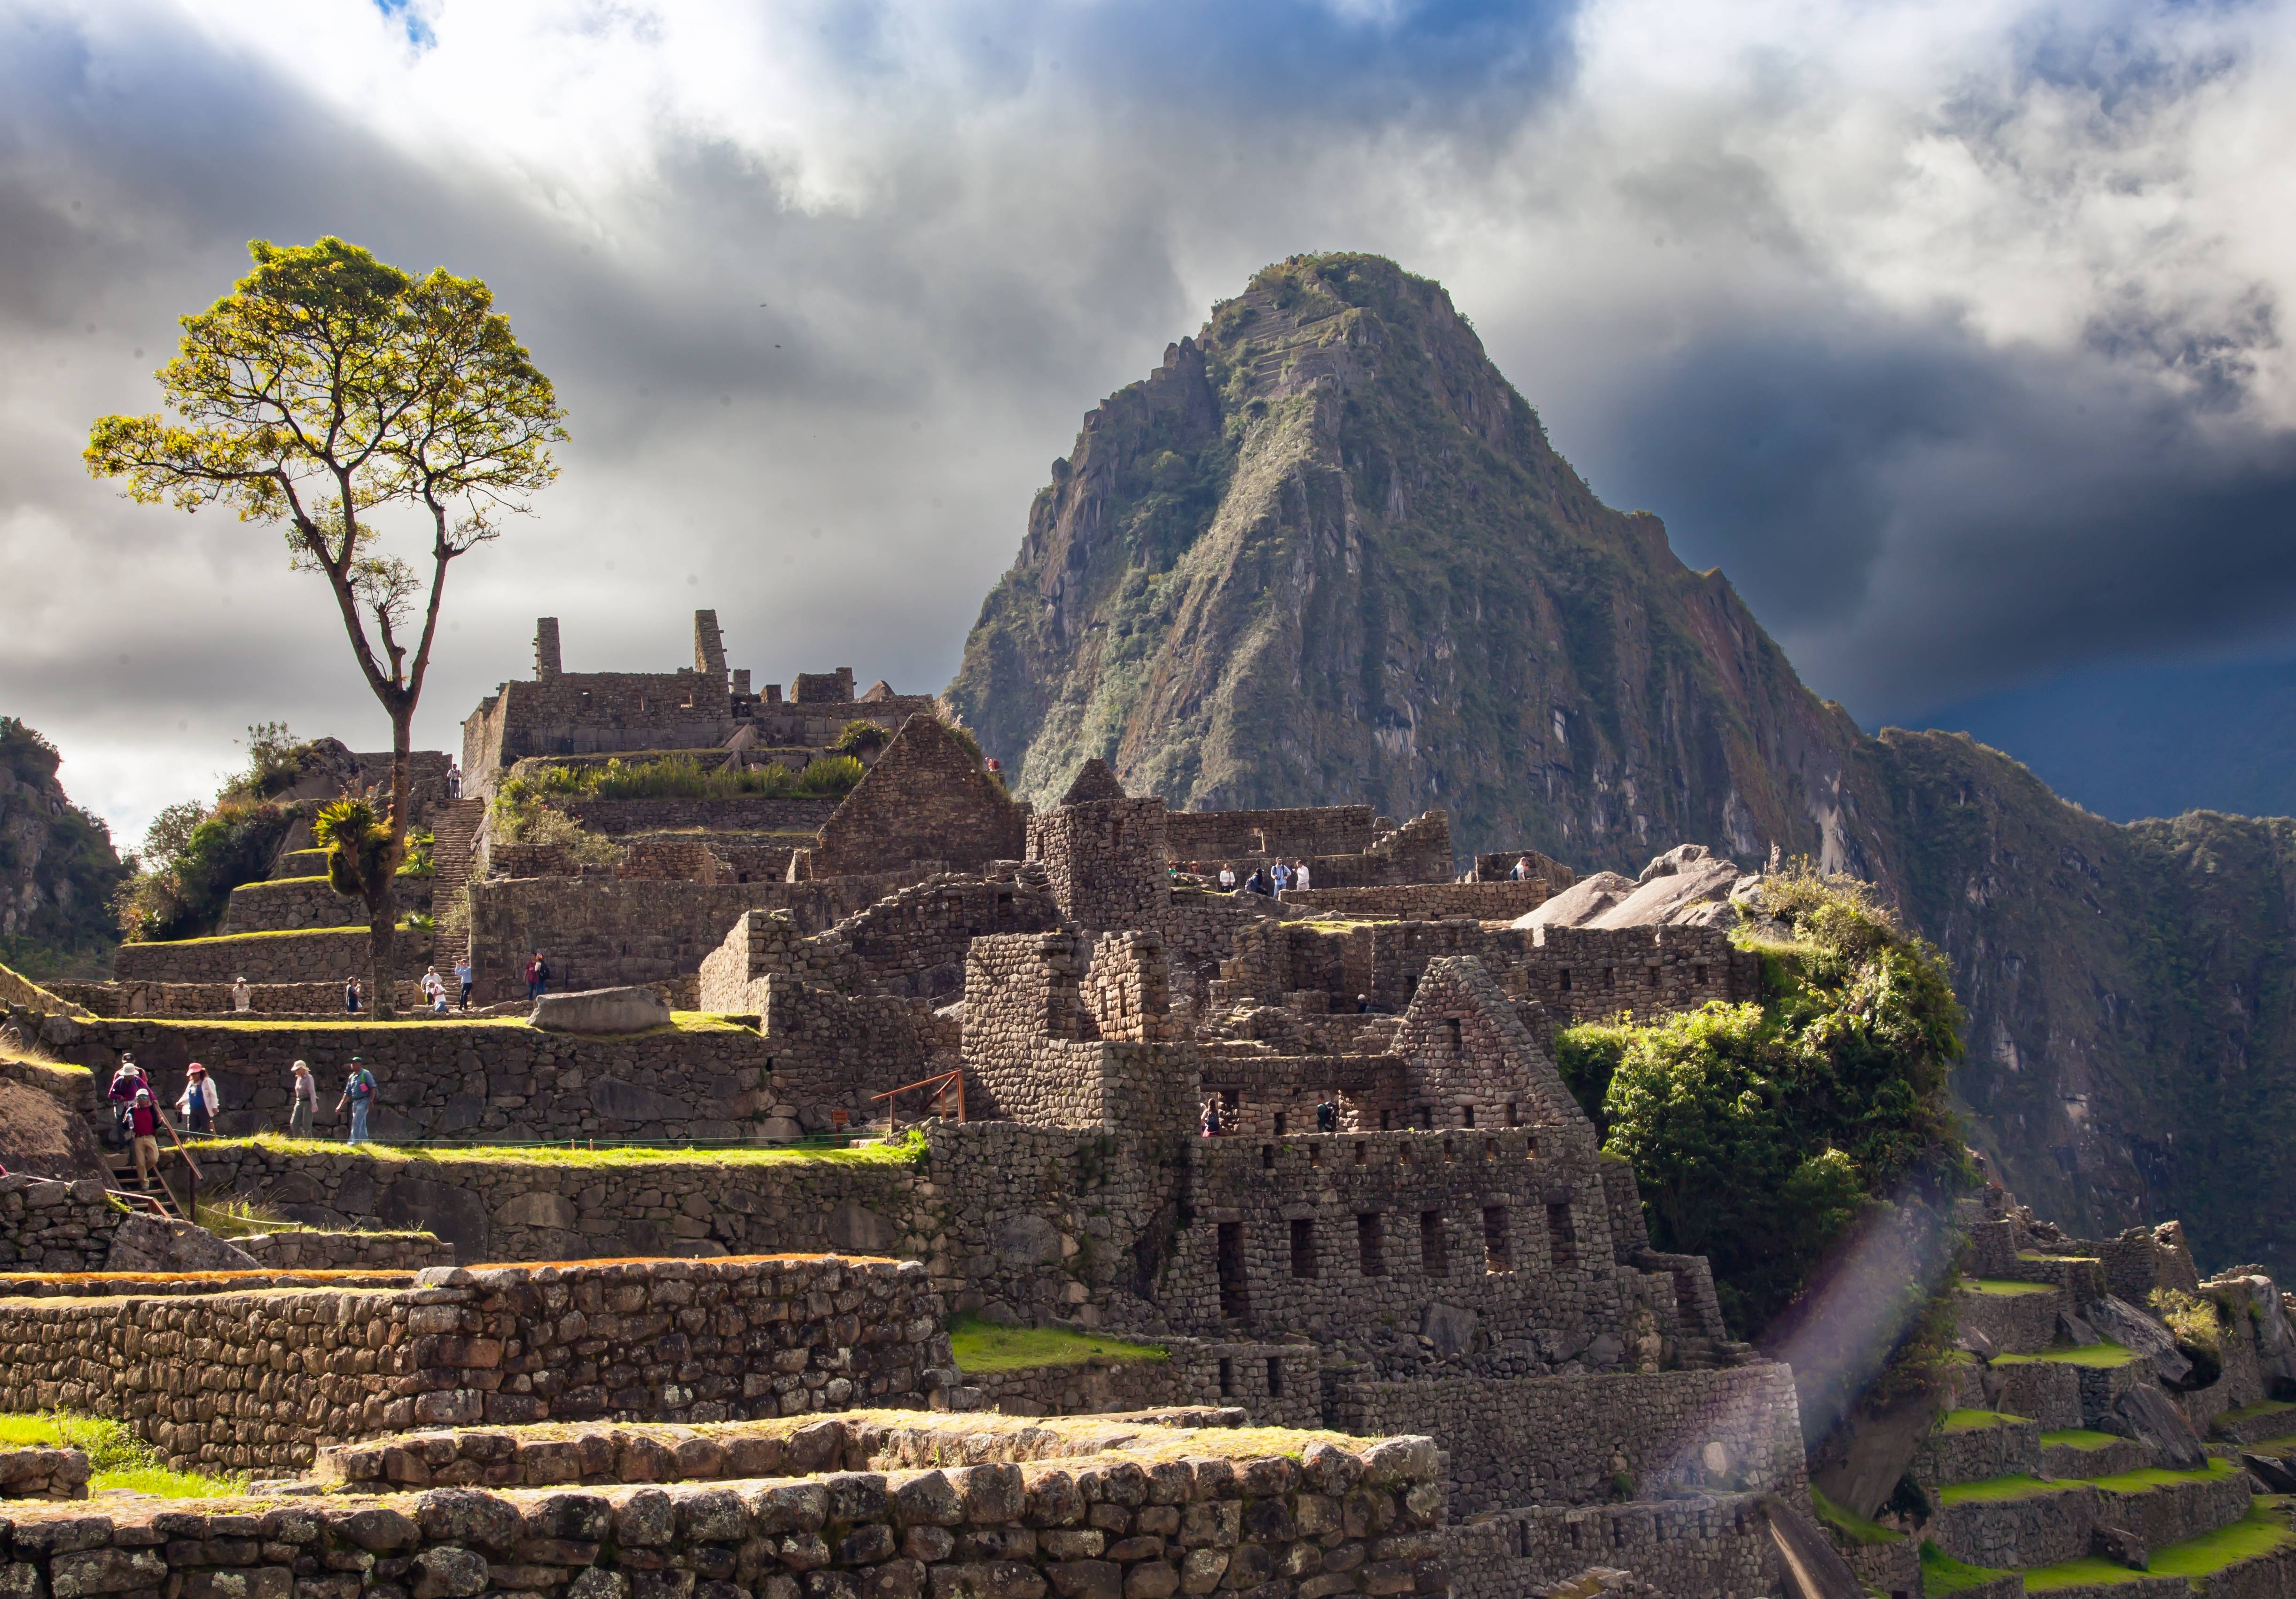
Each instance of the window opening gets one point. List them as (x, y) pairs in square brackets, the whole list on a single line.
[(1234, 1297), (1499, 1255), (1368, 1243)]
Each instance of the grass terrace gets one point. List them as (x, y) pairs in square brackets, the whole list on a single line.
[(981, 1346), (2264, 1529), (1853, 1527), (2098, 1356), (867, 1152), (2080, 1438), (2004, 1290), (680, 1022), (121, 1460), (2249, 1412), (1994, 1490), (1976, 1421), (1943, 1574)]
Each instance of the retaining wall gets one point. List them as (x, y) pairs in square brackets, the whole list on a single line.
[(312, 1251), (2010, 1448), (1569, 1440), (319, 955), (50, 1226), (1348, 1518), (1705, 1546), (248, 1379), (305, 902), (441, 1079), (1501, 901)]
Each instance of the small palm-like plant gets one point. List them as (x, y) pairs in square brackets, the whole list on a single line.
[(358, 847)]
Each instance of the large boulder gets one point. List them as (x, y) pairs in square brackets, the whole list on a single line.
[(1681, 884), (2125, 1324), (147, 1243), (633, 1010), (1580, 903), (2152, 1418), (2275, 1339)]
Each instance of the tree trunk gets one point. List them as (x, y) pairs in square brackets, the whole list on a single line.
[(381, 954), (383, 899)]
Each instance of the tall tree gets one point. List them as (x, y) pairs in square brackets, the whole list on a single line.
[(327, 391)]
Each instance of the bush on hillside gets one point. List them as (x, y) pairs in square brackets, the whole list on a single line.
[(1761, 1133), (682, 777), (192, 858)]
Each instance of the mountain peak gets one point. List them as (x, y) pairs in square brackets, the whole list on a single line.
[(1326, 554)]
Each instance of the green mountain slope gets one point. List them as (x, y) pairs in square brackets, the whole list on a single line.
[(1326, 554)]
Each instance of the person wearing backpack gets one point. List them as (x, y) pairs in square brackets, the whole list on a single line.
[(358, 1094), (143, 1129)]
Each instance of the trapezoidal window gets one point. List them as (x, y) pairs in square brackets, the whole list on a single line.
[(1498, 1251), (1370, 1244), (1303, 1246), (1458, 1037), (1434, 1252), (1562, 1239), (1234, 1298)]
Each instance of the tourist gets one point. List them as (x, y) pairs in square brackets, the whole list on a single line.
[(463, 978), (143, 1133), (1227, 876), (1299, 877), (197, 1106), (125, 1083), (1283, 876), (1522, 872), (434, 990), (1211, 1118), (1363, 1005), (1328, 1117), (358, 1094), (241, 999), (537, 977), (302, 1101), (351, 997), (1257, 883), (453, 780)]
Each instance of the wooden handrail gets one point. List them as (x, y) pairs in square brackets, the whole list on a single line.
[(941, 1081)]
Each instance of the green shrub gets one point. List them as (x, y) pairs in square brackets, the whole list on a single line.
[(859, 738), (193, 858), (831, 776), (1759, 1133)]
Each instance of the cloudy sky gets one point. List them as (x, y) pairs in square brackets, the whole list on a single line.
[(1950, 331)]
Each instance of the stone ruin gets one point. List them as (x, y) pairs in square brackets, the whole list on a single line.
[(697, 1371)]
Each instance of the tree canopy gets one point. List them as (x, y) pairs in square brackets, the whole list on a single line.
[(1758, 1133)]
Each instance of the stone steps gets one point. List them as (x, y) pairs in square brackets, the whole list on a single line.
[(454, 831)]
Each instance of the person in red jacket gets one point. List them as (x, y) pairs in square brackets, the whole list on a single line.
[(143, 1129)]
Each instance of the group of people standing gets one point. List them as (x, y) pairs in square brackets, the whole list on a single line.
[(1269, 880), (136, 1114), (1216, 1121)]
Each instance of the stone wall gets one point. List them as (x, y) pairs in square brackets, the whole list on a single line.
[(315, 956), (926, 799), (1578, 974), (49, 1226), (1106, 860), (650, 1340), (1578, 1440), (1272, 1384), (313, 1000), (831, 1051), (1255, 835), (1702, 1547), (1500, 901), (309, 1250), (749, 813), (1339, 1516), (443, 1078), (38, 1473), (606, 933), (1506, 1232), (287, 904)]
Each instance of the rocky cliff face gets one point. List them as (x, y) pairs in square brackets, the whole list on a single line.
[(1326, 554), (57, 865)]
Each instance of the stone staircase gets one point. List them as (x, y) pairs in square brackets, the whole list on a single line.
[(454, 830)]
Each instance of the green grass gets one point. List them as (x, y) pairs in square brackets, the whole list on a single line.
[(2104, 1355), (1994, 1490), (275, 932), (871, 1152), (2038, 1255), (120, 1458), (2260, 1532), (680, 1022), (1850, 1524), (982, 1346), (2249, 1412), (1975, 1421), (1943, 1574), (2006, 1290), (1999, 1490), (275, 883), (2081, 1437)]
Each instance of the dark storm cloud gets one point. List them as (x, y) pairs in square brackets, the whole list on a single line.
[(824, 289)]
